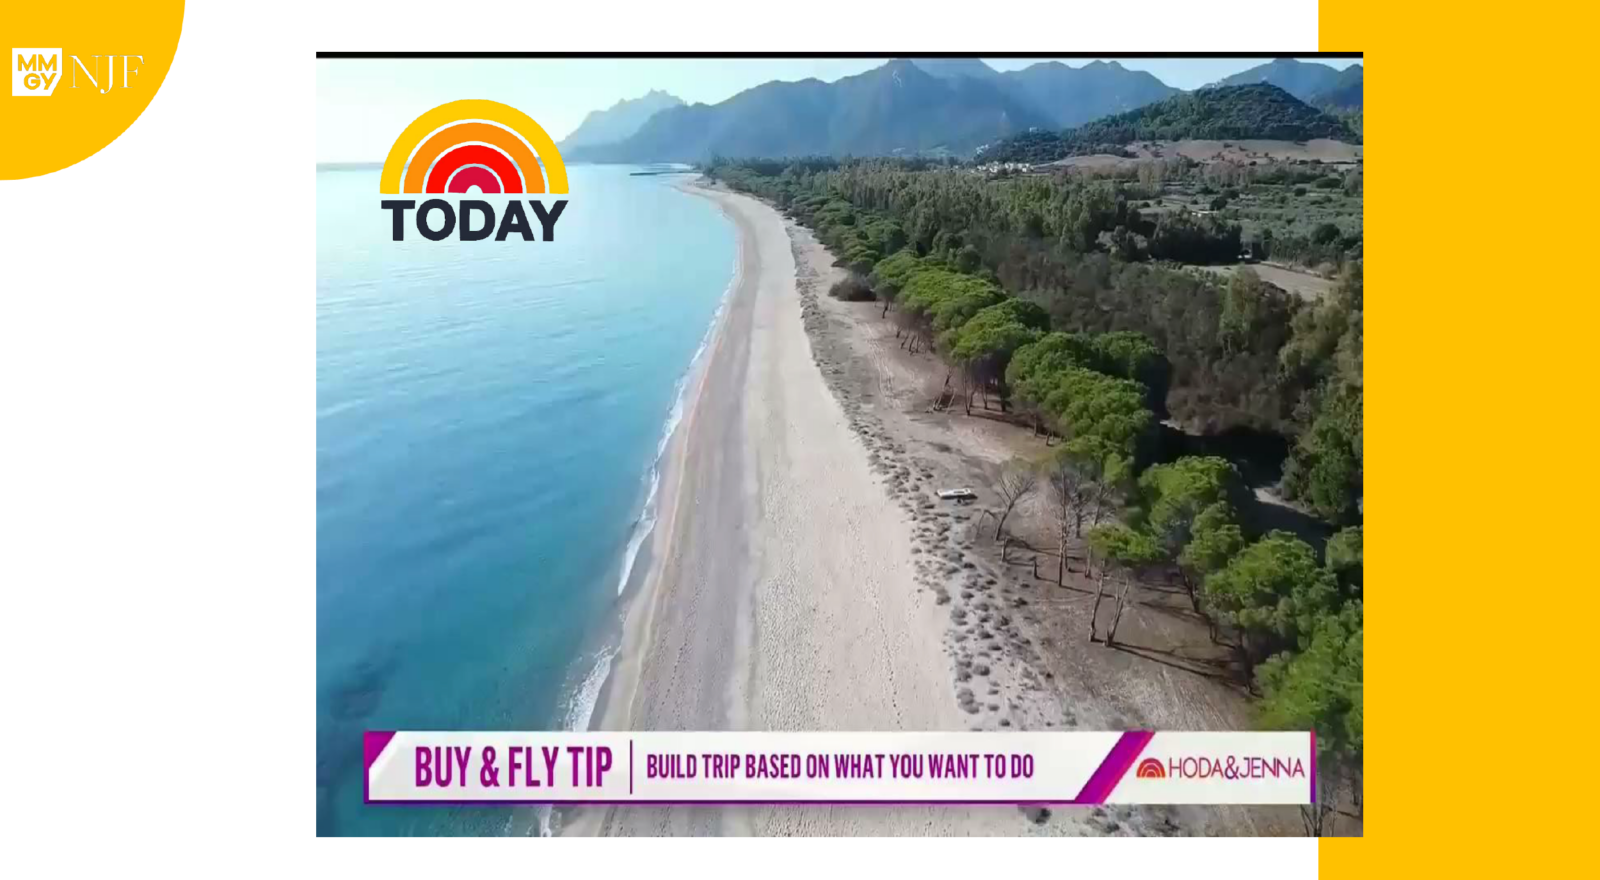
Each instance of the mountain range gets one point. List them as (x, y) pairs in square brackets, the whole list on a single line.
[(1245, 112), (916, 106), (618, 122), (1068, 95), (1074, 95), (1345, 93), (1316, 84), (898, 108)]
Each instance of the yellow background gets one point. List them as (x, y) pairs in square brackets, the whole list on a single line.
[(1479, 502), (45, 134)]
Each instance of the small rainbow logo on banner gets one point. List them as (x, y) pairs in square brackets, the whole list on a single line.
[(1150, 768), (463, 144)]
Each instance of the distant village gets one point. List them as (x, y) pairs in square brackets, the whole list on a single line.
[(1005, 168)]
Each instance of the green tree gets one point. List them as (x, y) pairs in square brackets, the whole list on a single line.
[(983, 346), (1320, 689), (1325, 467), (1085, 403), (890, 275), (1214, 540), (1130, 355), (1273, 591), (1174, 496), (1175, 493), (1035, 368), (1343, 555), (1255, 314)]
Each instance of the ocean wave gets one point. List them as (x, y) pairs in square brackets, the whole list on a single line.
[(646, 522), (580, 706), (642, 528), (579, 712)]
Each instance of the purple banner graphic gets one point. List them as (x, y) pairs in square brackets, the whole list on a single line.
[(1076, 768)]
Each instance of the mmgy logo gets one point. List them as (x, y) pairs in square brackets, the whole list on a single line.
[(35, 73)]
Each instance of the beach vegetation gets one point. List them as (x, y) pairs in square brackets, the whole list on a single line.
[(1221, 352), (1069, 296)]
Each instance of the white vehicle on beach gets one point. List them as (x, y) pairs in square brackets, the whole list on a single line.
[(960, 495)]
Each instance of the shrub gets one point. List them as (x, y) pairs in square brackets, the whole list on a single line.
[(853, 288)]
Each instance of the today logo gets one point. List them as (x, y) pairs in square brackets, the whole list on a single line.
[(35, 73), (465, 145)]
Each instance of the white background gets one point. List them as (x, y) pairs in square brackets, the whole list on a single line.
[(157, 456)]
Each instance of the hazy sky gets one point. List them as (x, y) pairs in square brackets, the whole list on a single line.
[(362, 105)]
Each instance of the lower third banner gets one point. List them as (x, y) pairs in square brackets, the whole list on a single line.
[(1136, 767)]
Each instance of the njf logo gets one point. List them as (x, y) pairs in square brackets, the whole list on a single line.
[(35, 73)]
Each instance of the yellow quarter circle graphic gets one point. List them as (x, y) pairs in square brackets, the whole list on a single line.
[(103, 63)]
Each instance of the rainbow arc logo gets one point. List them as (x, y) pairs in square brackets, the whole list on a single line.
[(1150, 768), (468, 145)]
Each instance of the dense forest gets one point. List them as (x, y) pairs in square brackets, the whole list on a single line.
[(1259, 111), (1242, 352), (1060, 297)]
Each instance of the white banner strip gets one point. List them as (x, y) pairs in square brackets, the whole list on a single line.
[(1136, 767)]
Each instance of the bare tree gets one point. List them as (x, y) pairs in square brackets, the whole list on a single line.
[(1124, 551), (1068, 486), (1116, 616), (1101, 492), (1318, 817), (1099, 588), (1017, 481), (1137, 552)]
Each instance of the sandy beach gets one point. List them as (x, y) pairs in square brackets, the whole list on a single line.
[(781, 592), (804, 576)]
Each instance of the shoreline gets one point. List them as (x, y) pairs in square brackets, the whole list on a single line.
[(594, 670), (640, 592), (622, 639), (781, 590)]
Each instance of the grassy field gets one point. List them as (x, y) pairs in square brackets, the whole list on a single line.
[(1300, 283)]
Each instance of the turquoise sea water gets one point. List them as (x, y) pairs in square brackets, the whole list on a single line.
[(488, 419)]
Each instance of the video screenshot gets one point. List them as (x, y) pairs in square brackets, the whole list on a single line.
[(811, 445)]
